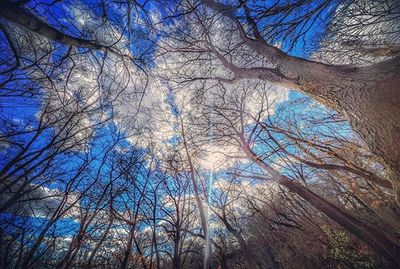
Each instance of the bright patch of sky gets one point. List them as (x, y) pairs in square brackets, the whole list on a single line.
[(150, 110)]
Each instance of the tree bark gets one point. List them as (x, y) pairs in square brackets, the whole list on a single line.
[(16, 14), (202, 212), (369, 97)]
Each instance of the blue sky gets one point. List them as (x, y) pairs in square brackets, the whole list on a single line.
[(22, 111)]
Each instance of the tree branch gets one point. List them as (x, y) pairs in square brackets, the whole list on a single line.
[(18, 15)]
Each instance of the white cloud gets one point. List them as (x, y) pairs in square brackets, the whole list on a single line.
[(39, 201)]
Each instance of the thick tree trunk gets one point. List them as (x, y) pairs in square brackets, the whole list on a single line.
[(375, 116), (369, 97), (11, 11)]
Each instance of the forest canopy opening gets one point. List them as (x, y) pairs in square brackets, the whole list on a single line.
[(199, 134)]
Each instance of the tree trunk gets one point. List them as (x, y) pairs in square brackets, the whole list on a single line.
[(202, 212), (128, 250), (376, 116), (376, 239), (12, 12), (369, 97), (176, 260), (101, 241)]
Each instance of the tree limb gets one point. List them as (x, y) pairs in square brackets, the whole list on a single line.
[(18, 15)]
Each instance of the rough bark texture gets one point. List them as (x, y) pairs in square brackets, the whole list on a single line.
[(369, 97)]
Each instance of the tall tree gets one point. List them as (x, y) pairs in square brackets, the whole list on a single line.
[(240, 37)]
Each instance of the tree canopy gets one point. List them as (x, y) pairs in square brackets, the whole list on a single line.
[(199, 134)]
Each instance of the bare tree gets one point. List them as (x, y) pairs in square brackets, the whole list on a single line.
[(154, 134), (238, 39), (246, 129)]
